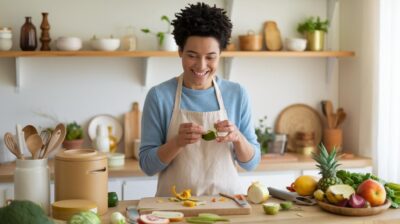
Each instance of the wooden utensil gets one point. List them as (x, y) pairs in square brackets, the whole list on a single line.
[(329, 113), (28, 131), (341, 117), (34, 143), (56, 139), (132, 125), (12, 145)]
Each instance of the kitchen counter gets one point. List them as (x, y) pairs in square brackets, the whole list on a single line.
[(306, 214), (290, 161)]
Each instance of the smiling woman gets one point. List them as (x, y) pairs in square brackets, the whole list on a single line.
[(178, 112)]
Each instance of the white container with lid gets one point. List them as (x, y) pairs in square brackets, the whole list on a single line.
[(32, 182), (5, 39), (116, 159)]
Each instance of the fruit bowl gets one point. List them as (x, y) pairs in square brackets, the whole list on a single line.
[(353, 211)]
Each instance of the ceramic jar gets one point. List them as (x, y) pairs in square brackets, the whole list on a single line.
[(32, 182), (168, 43), (5, 39)]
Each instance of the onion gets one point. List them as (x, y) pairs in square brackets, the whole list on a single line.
[(257, 193), (356, 201)]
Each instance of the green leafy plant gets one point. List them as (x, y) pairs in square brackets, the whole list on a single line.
[(264, 135), (160, 35), (74, 131), (311, 24)]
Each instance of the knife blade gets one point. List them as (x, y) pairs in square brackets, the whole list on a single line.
[(241, 202)]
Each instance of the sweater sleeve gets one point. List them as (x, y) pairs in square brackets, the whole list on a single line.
[(246, 127), (153, 135)]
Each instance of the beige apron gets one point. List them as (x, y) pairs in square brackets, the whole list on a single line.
[(205, 167)]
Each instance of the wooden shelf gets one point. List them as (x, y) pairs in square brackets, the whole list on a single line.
[(145, 54)]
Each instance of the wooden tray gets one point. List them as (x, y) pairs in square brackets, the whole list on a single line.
[(295, 118), (354, 211)]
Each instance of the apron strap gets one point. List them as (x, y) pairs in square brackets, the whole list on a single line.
[(178, 94)]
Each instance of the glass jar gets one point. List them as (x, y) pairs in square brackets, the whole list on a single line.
[(32, 182), (305, 143), (28, 39), (5, 39), (128, 42)]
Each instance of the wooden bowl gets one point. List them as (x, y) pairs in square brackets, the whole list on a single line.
[(354, 211)]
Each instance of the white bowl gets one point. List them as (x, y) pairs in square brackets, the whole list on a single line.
[(116, 159), (105, 44), (296, 44), (69, 43)]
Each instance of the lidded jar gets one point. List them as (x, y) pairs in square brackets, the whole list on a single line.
[(32, 182), (5, 38)]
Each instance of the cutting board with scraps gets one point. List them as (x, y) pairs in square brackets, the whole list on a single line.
[(208, 204)]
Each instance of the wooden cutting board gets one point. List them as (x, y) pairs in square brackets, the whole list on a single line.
[(132, 125), (225, 207)]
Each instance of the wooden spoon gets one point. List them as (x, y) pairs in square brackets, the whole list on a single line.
[(12, 145), (342, 117), (57, 137), (29, 130), (329, 113), (34, 144)]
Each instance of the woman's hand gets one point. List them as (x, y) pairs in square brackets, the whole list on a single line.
[(233, 134), (189, 133)]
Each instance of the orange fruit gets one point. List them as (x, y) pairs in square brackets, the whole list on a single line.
[(305, 185)]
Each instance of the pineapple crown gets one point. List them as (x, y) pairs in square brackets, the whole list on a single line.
[(326, 162)]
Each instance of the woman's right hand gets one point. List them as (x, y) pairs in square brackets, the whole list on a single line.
[(189, 133)]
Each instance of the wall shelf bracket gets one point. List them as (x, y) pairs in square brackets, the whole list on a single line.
[(146, 67), (331, 64), (227, 68), (18, 64)]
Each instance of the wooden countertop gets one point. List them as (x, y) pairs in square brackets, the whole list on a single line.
[(290, 161), (308, 215)]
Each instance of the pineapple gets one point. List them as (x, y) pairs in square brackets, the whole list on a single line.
[(327, 164)]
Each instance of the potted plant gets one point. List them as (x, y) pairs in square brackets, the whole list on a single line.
[(314, 31), (264, 135), (74, 136), (166, 41)]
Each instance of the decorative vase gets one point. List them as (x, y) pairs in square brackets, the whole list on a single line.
[(112, 139), (273, 41), (168, 43), (45, 35), (28, 39), (315, 40), (102, 141)]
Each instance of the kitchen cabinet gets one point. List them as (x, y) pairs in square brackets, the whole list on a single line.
[(139, 187)]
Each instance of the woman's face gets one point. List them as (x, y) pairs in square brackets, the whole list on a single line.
[(200, 57)]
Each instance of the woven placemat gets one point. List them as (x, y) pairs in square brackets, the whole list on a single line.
[(298, 118)]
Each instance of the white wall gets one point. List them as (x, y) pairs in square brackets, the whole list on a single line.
[(80, 88), (359, 32)]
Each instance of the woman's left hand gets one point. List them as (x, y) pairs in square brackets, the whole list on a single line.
[(233, 134)]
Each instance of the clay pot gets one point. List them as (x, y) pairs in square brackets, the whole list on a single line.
[(333, 138), (73, 144)]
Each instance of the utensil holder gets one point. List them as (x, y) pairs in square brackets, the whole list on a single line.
[(32, 182), (333, 138)]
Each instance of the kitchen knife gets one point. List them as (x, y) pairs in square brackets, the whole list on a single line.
[(241, 202), (291, 196)]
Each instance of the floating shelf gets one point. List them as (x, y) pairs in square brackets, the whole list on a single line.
[(146, 55)]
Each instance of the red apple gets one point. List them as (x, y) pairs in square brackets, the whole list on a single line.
[(372, 191)]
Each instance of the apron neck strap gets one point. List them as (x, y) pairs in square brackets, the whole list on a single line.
[(178, 94)]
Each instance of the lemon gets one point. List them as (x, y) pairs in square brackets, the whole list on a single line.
[(305, 185), (319, 195)]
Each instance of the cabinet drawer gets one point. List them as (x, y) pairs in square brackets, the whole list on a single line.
[(136, 188)]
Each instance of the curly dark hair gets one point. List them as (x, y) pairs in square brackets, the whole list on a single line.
[(202, 20)]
